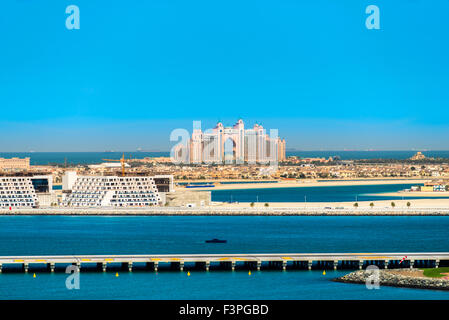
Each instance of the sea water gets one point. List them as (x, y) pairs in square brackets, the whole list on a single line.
[(352, 193), (65, 235)]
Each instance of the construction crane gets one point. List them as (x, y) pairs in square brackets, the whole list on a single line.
[(122, 161)]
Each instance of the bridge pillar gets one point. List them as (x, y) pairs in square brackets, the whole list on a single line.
[(181, 265), (386, 264), (437, 263), (309, 265), (233, 265), (51, 266), (207, 265), (360, 264), (25, 267), (156, 264), (335, 264), (284, 265), (104, 266), (259, 263), (130, 266), (1, 266), (412, 262)]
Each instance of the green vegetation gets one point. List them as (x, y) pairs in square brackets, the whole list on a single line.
[(266, 204), (371, 204), (251, 204), (356, 205), (393, 204), (436, 272)]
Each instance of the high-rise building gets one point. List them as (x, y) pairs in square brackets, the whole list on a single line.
[(232, 145)]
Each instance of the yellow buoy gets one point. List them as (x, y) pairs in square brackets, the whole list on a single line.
[(188, 273), (249, 272), (34, 275), (324, 272), (116, 274)]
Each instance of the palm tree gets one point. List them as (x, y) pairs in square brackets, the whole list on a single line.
[(266, 204), (408, 204), (393, 204), (356, 205), (371, 205), (251, 204)]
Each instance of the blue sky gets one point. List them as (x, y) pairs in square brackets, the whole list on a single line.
[(138, 69)]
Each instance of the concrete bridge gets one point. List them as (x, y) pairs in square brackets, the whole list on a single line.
[(281, 261)]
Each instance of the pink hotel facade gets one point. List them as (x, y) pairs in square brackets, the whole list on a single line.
[(232, 145)]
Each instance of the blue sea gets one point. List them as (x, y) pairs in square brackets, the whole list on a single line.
[(34, 235), (352, 193), (44, 158)]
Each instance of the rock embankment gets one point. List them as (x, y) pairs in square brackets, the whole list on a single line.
[(397, 278)]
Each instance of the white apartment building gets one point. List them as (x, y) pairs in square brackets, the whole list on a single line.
[(100, 191), (17, 192)]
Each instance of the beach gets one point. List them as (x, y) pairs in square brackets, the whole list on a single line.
[(385, 204), (414, 194)]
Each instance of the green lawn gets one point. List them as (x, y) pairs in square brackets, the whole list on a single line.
[(435, 272)]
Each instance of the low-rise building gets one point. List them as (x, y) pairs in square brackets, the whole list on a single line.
[(14, 164), (115, 191), (23, 191)]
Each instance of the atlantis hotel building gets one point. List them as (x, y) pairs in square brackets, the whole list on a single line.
[(231, 145)]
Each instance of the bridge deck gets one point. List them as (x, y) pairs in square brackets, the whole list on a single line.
[(226, 257)]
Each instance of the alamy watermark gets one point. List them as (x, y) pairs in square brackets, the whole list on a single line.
[(373, 20), (73, 20), (373, 279), (73, 280)]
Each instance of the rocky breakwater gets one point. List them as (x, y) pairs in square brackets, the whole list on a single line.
[(412, 278)]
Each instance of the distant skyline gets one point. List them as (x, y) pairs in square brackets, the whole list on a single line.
[(135, 71)]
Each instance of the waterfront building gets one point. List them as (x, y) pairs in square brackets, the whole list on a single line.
[(24, 191), (115, 191), (231, 145), (15, 164), (418, 156)]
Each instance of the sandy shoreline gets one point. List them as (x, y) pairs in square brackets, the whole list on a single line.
[(411, 194), (414, 203), (240, 186)]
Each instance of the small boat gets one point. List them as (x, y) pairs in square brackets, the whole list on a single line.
[(216, 241)]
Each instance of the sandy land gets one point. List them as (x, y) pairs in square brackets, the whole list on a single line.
[(415, 203), (412, 194), (295, 184)]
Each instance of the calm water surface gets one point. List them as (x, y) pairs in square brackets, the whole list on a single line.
[(127, 235), (43, 158), (315, 194)]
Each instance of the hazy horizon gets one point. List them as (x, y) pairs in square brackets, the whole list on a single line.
[(287, 150)]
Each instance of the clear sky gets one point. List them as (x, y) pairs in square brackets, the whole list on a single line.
[(135, 70)]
